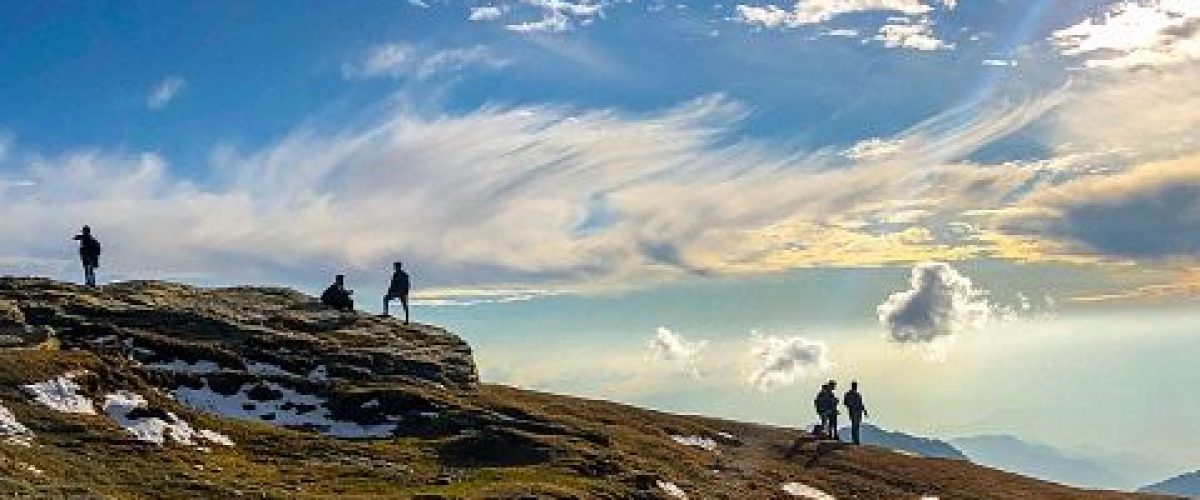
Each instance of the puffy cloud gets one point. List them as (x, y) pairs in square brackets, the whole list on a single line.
[(558, 15), (780, 361), (1139, 33), (164, 92), (1148, 212), (819, 11), (911, 34), (939, 304), (671, 348), (397, 60), (485, 13)]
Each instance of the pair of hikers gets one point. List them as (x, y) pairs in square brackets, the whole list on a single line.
[(826, 404), (339, 297)]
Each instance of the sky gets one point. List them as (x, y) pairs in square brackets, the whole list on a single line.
[(988, 212)]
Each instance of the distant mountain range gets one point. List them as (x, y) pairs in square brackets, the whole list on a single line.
[(1186, 485), (1008, 453), (925, 447), (1011, 454)]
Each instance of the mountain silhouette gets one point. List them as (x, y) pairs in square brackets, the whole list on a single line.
[(1011, 454), (920, 446), (1185, 485)]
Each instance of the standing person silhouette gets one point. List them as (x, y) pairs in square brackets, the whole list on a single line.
[(398, 289), (857, 410), (826, 404), (89, 254)]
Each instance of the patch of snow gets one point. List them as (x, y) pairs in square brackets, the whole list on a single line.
[(374, 403), (62, 394), (215, 438), (202, 366), (285, 412), (671, 489), (905, 453), (727, 435), (805, 491), (32, 469), (320, 373), (12, 430), (267, 369), (155, 430), (697, 441)]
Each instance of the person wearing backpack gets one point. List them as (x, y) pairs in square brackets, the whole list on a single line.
[(89, 254), (398, 289)]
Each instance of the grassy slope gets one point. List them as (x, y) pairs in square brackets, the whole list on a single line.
[(629, 450)]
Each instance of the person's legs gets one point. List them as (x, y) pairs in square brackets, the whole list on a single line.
[(855, 422), (833, 426), (89, 275), (404, 302), (386, 299), (825, 424)]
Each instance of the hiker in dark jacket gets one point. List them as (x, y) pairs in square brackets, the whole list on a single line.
[(398, 289), (337, 296), (857, 410), (89, 254), (826, 404)]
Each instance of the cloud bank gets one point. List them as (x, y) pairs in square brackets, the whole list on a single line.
[(1148, 212)]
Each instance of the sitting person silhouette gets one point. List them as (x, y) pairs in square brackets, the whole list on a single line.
[(337, 296), (398, 290), (89, 254)]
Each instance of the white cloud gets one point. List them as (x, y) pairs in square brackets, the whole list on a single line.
[(818, 11), (873, 148), (404, 60), (485, 13), (558, 15), (939, 304), (671, 348), (780, 361), (621, 199), (165, 92), (1137, 33), (911, 34)]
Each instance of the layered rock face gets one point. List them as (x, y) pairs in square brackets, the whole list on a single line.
[(269, 354)]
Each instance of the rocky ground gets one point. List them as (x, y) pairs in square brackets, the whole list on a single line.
[(159, 390)]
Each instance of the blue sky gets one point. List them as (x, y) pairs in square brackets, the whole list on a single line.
[(608, 197)]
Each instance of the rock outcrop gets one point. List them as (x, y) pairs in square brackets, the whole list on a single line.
[(268, 354)]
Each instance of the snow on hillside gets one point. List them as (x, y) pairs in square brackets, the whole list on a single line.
[(288, 408), (62, 394)]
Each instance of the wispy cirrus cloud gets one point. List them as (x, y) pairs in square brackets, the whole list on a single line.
[(164, 92), (619, 197), (406, 60)]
